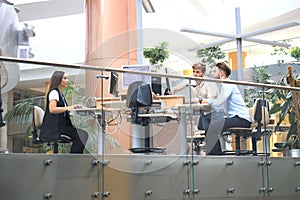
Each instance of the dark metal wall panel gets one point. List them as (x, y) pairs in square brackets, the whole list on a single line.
[(228, 177), (147, 177), (25, 176), (284, 177), (77, 177), (155, 177)]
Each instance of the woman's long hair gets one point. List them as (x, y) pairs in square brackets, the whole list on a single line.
[(56, 79)]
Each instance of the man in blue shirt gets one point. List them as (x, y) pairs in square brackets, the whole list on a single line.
[(231, 110)]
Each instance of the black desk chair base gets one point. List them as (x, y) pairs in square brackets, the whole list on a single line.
[(147, 150), (241, 135), (63, 139)]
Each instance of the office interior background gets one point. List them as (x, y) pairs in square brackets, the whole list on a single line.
[(61, 34)]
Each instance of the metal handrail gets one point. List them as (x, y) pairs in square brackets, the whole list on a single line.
[(109, 69)]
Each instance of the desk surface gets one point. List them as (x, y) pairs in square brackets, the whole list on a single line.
[(169, 97), (195, 107), (158, 115), (92, 111)]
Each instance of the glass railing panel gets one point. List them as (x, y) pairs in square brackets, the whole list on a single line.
[(117, 142)]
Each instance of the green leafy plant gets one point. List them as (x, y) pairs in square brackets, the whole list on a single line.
[(295, 53), (280, 51), (285, 107), (282, 104), (252, 93), (157, 54), (210, 55), (20, 113)]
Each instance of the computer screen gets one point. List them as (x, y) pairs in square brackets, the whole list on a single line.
[(113, 83), (128, 78)]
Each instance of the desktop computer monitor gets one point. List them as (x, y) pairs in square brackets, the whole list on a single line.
[(113, 83), (129, 78)]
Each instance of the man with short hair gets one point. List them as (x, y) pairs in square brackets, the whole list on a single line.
[(203, 90), (231, 110)]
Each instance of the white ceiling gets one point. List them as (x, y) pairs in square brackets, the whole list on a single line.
[(213, 15), (219, 16)]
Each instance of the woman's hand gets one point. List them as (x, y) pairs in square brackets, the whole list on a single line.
[(53, 109), (76, 106)]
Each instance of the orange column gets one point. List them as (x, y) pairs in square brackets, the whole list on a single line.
[(47, 85), (188, 72), (232, 58), (111, 38), (111, 41)]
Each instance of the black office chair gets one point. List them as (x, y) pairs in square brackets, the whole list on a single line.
[(139, 100), (260, 116), (37, 120)]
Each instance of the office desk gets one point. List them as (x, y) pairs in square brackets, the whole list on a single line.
[(171, 100), (85, 111), (183, 111), (158, 117), (142, 134), (193, 108), (101, 115)]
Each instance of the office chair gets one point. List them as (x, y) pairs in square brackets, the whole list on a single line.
[(260, 117), (37, 120), (139, 100)]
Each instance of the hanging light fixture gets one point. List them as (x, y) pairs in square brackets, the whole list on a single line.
[(148, 6)]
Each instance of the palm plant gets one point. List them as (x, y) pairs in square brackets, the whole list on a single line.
[(20, 113), (287, 107)]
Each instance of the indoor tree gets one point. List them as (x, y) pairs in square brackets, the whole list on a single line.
[(157, 54), (210, 55), (295, 53), (288, 107)]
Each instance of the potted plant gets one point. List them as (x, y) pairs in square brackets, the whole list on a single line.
[(210, 55), (295, 53), (288, 106), (157, 54)]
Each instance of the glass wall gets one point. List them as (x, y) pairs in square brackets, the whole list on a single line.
[(143, 143)]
